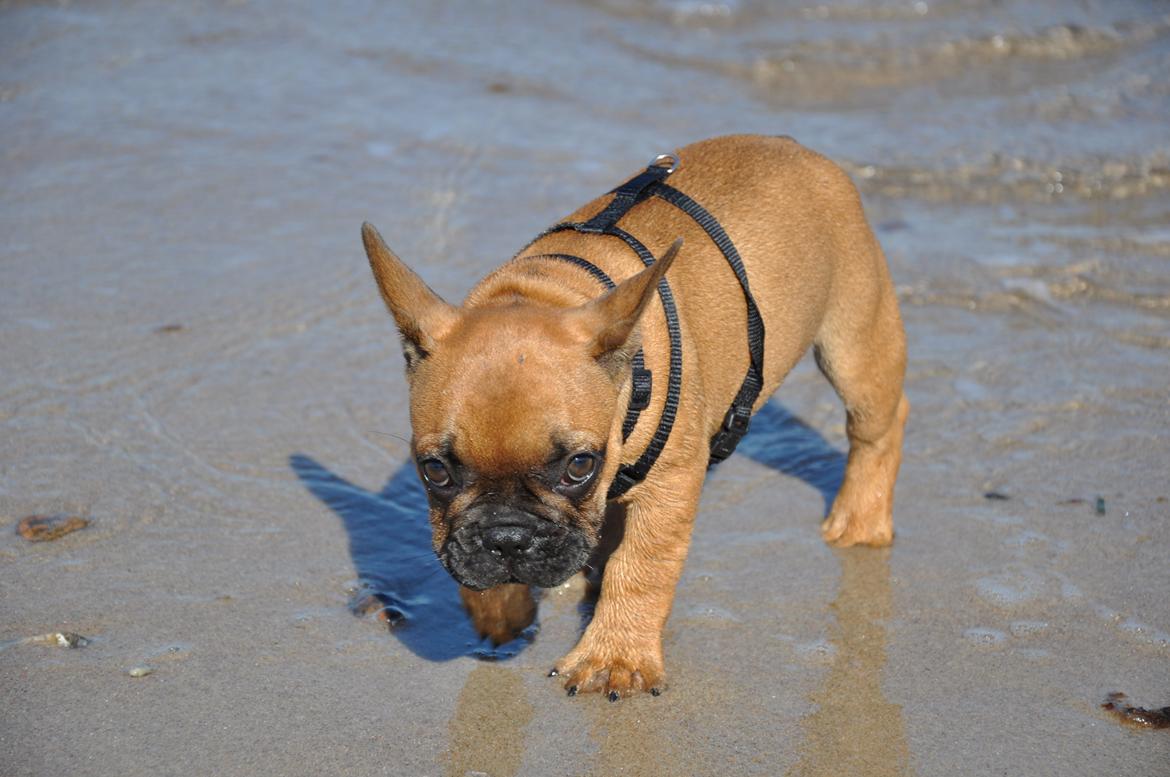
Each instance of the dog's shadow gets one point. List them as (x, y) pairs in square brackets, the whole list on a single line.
[(390, 544), (780, 440), (390, 536)]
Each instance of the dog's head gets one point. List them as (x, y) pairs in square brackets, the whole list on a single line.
[(516, 414)]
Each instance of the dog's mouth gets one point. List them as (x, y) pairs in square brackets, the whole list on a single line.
[(514, 547)]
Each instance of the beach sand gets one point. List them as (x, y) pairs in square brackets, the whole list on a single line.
[(195, 359)]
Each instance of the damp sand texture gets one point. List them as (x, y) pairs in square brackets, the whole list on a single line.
[(196, 361)]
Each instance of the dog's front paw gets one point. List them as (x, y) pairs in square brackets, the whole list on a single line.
[(617, 670)]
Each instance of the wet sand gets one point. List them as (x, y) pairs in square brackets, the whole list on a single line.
[(196, 361)]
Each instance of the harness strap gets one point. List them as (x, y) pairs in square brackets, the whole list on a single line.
[(625, 197), (651, 182), (630, 475), (738, 418), (642, 377)]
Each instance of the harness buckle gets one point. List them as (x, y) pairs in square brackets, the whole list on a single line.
[(623, 481), (672, 158), (643, 381), (735, 425)]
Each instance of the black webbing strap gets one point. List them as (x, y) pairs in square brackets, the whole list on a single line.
[(625, 197), (598, 273), (650, 182), (630, 475), (739, 415), (642, 379)]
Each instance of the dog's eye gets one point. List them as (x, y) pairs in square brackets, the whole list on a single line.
[(435, 472), (579, 469)]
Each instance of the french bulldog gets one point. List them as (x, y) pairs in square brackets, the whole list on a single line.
[(518, 396)]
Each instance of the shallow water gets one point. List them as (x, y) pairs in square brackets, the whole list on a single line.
[(195, 358)]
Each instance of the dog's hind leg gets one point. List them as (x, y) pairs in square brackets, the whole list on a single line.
[(861, 349)]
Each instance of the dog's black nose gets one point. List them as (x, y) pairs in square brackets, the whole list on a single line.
[(507, 541)]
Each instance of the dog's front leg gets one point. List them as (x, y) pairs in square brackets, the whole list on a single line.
[(621, 650)]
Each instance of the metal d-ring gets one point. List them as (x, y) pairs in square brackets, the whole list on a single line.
[(672, 158)]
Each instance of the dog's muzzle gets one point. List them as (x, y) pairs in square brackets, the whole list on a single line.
[(495, 544)]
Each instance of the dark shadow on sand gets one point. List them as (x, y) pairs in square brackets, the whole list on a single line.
[(390, 537), (780, 440), (390, 544)]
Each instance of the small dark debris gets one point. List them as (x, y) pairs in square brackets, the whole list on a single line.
[(44, 528), (367, 605), (893, 225), (1136, 716), (1074, 501), (168, 329), (373, 604), (65, 639), (1100, 506), (70, 639), (996, 496)]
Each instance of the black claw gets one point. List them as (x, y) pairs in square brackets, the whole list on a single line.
[(572, 690), (655, 691), (553, 672), (614, 696)]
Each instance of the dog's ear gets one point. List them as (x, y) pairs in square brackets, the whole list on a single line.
[(610, 323), (422, 316)]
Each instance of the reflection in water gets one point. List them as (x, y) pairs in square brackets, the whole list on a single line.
[(487, 731), (856, 730), (630, 736), (632, 742), (390, 544)]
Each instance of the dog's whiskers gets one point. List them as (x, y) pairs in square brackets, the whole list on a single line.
[(418, 557), (390, 434), (434, 571)]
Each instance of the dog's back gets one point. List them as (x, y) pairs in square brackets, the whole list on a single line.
[(814, 267)]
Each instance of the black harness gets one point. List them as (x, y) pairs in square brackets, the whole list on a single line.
[(651, 183)]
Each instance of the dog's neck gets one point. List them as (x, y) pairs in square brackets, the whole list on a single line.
[(534, 280)]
